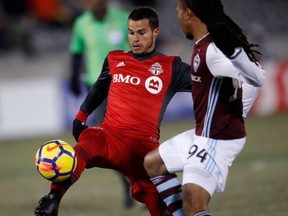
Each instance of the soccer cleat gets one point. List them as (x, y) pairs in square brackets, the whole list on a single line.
[(48, 205)]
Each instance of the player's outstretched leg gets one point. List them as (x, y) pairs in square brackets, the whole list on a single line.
[(48, 205)]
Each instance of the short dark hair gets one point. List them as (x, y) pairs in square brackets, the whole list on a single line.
[(144, 12)]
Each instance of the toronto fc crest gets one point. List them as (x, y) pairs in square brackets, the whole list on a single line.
[(156, 69)]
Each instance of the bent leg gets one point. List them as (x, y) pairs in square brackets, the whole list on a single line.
[(167, 184), (91, 151), (91, 147), (169, 158), (154, 165)]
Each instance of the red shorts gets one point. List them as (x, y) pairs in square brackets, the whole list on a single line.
[(108, 147)]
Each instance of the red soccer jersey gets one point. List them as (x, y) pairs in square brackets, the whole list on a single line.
[(218, 115), (139, 90)]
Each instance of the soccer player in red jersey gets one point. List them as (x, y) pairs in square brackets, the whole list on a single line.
[(138, 85), (226, 78)]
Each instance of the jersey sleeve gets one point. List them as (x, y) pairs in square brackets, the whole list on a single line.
[(76, 43), (252, 70), (99, 90), (221, 66), (249, 95), (181, 76)]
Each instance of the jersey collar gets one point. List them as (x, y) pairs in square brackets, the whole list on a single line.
[(145, 56)]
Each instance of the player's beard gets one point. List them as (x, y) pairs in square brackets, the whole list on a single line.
[(148, 48), (151, 46)]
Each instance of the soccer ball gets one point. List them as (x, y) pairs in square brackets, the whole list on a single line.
[(56, 160)]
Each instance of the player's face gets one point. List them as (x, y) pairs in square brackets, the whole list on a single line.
[(141, 37), (183, 19), (99, 7)]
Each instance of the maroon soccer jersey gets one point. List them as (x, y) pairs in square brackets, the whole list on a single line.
[(218, 111), (140, 88)]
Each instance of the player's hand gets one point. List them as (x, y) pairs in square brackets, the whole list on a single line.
[(75, 86), (78, 128), (222, 37)]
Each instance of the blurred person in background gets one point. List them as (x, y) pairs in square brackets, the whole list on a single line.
[(100, 29), (54, 13), (15, 26), (97, 31), (226, 78), (138, 85)]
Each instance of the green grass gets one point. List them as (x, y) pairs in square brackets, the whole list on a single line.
[(256, 184)]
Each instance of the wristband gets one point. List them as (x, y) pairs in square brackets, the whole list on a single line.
[(81, 116)]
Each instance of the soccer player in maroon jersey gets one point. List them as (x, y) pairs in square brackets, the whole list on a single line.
[(138, 85), (226, 78)]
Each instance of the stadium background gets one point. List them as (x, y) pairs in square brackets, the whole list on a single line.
[(36, 105)]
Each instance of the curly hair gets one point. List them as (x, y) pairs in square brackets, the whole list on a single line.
[(211, 12)]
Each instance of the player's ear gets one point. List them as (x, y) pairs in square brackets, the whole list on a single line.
[(156, 32), (188, 13)]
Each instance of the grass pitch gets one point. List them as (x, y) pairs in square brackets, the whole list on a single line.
[(256, 184)]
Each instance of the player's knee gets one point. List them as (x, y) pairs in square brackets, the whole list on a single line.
[(148, 164), (152, 165)]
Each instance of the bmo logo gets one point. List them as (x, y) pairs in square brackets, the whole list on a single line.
[(154, 84), (126, 79)]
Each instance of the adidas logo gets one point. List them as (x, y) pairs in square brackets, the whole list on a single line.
[(120, 64)]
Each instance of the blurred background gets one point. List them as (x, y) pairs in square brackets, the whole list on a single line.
[(37, 105)]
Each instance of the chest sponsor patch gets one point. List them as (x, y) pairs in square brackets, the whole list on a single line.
[(154, 85)]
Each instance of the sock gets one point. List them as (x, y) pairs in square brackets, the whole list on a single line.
[(82, 159), (169, 188), (204, 213)]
